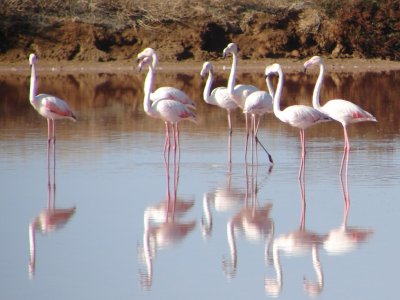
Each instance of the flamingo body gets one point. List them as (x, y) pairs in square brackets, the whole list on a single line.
[(258, 103), (48, 106), (52, 107)]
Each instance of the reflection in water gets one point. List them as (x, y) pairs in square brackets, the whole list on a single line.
[(296, 243), (345, 239), (163, 225), (253, 221), (222, 199), (48, 220)]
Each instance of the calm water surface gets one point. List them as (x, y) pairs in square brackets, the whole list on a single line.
[(117, 222)]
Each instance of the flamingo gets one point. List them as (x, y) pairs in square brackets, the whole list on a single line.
[(340, 110), (257, 104), (297, 243), (254, 221), (299, 116), (240, 92), (168, 110), (48, 106), (219, 97), (163, 226), (165, 92)]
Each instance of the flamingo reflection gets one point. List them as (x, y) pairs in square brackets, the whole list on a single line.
[(223, 199), (345, 239), (296, 243), (47, 221), (253, 221), (163, 225)]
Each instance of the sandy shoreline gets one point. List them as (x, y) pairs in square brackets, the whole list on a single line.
[(350, 65)]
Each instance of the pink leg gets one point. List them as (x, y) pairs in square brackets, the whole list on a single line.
[(230, 136), (346, 151), (303, 153), (247, 136), (167, 141)]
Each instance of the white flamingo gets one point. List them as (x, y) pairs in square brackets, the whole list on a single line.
[(299, 116), (257, 104), (240, 92), (165, 92), (218, 96), (168, 110), (48, 106), (340, 110)]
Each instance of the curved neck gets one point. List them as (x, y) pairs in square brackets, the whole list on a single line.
[(278, 94), (155, 61), (207, 88), (148, 83), (317, 88), (32, 87), (270, 87), (232, 75)]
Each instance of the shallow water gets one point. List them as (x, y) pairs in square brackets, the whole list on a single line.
[(119, 227)]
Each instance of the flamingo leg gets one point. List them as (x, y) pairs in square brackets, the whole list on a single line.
[(303, 153), (247, 136), (346, 151), (230, 136), (167, 141), (262, 146)]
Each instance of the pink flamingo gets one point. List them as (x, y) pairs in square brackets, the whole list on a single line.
[(165, 92), (340, 110), (240, 92), (257, 104), (219, 97), (168, 110), (299, 116), (48, 106)]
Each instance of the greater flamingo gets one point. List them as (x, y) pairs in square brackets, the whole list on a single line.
[(340, 110), (299, 116), (48, 106), (168, 110), (257, 104), (240, 92), (165, 92), (219, 97)]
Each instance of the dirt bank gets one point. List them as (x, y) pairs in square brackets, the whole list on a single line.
[(292, 31)]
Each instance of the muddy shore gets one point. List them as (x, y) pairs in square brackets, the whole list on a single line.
[(350, 65)]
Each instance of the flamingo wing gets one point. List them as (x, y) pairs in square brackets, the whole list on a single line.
[(346, 112), (172, 93), (54, 108)]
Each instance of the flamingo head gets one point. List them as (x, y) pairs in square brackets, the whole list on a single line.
[(32, 59), (207, 67), (231, 48), (146, 53), (315, 60), (146, 61), (272, 69)]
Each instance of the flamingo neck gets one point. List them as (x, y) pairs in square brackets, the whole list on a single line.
[(317, 88), (270, 87), (278, 94), (155, 61), (207, 88), (232, 75), (148, 83), (32, 88)]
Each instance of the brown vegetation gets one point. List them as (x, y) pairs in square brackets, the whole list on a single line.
[(115, 30)]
